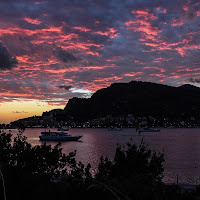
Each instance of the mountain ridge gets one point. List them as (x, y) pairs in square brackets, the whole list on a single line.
[(136, 97)]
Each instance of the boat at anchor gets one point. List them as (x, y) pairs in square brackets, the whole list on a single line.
[(58, 136), (149, 130)]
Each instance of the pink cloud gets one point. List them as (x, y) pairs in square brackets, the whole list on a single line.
[(185, 7), (161, 10), (82, 28), (157, 68), (145, 14), (177, 22), (132, 74), (143, 25), (32, 21), (110, 32), (113, 59)]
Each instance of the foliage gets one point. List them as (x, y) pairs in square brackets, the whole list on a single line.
[(133, 170), (24, 165)]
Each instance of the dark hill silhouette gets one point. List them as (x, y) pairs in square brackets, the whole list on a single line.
[(189, 87), (139, 98)]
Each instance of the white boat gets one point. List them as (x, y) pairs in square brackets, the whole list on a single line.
[(171, 127), (114, 129), (58, 136), (149, 130), (62, 129)]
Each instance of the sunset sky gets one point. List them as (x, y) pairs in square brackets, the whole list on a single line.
[(53, 50)]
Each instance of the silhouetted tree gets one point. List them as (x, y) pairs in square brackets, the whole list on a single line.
[(27, 167), (135, 171)]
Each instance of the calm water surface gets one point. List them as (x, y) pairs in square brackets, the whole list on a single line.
[(180, 146)]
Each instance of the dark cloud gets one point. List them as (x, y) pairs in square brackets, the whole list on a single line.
[(64, 56), (194, 80), (6, 60), (18, 112), (66, 87)]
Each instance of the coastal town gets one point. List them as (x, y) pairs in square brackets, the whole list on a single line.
[(58, 118)]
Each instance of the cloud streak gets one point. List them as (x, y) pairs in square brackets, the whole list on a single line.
[(18, 112), (66, 87)]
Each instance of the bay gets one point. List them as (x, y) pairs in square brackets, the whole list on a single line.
[(181, 147)]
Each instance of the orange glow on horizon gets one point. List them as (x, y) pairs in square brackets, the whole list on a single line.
[(11, 111)]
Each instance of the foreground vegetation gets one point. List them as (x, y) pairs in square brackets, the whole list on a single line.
[(44, 172)]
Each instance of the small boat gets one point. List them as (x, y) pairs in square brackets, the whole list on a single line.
[(171, 127), (114, 129), (62, 129), (58, 136), (149, 130)]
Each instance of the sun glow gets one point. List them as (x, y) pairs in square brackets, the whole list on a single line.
[(11, 111)]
